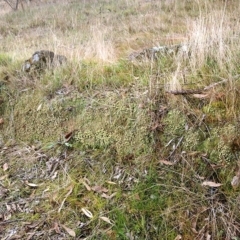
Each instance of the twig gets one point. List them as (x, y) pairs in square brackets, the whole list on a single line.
[(199, 91), (11, 221), (175, 148), (215, 84), (185, 92)]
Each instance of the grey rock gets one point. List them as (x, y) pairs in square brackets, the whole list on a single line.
[(157, 52), (42, 60)]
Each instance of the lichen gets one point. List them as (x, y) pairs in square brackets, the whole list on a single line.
[(191, 140), (217, 145), (119, 126), (174, 125), (91, 139)]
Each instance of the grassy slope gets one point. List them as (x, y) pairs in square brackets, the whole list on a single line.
[(122, 122)]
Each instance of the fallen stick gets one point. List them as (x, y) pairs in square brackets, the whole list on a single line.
[(185, 92), (199, 91)]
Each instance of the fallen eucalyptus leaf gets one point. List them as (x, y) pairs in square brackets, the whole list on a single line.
[(110, 182), (39, 107), (236, 179), (3, 177), (69, 135), (211, 184), (56, 228), (194, 231), (86, 186), (87, 212), (54, 175), (200, 96), (33, 185), (99, 189), (208, 237), (105, 219), (235, 182), (178, 237), (166, 162), (5, 167), (104, 195), (69, 231)]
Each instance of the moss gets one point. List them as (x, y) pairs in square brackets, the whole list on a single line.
[(117, 125), (123, 122), (5, 59), (215, 111), (42, 120), (174, 125)]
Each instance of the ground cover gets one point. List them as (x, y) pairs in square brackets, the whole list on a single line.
[(106, 147)]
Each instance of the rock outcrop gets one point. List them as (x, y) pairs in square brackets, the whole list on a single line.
[(156, 53), (42, 60)]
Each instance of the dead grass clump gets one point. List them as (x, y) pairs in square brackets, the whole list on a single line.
[(100, 45), (209, 38)]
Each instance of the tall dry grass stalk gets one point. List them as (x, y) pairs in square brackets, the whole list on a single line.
[(209, 37), (100, 44), (174, 83)]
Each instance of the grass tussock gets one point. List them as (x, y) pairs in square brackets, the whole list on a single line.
[(105, 148)]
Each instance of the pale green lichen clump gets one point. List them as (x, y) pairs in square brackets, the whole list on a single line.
[(192, 139), (99, 139), (174, 123), (218, 144), (120, 126)]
